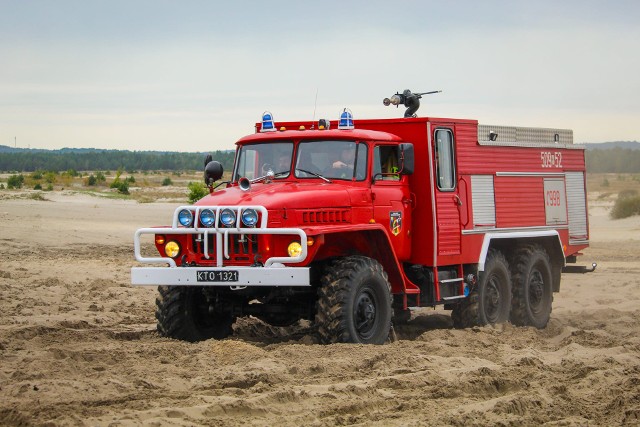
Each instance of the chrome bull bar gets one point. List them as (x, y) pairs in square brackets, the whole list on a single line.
[(221, 235), (273, 273)]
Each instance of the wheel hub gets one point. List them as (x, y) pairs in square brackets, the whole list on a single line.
[(536, 290), (492, 299), (365, 313)]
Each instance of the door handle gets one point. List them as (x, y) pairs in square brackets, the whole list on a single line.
[(457, 200)]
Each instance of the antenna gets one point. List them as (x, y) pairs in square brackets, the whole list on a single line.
[(315, 105)]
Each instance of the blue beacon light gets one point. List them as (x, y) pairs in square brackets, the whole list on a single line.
[(268, 125), (346, 120)]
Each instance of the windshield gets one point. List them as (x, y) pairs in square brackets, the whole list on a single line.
[(331, 159), (255, 160)]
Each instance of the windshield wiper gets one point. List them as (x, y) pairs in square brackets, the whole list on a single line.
[(315, 174)]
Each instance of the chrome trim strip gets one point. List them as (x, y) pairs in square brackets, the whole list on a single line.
[(515, 229), (542, 174)]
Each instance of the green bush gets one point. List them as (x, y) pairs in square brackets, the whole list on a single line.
[(121, 186), (37, 187), (37, 175), (605, 182), (197, 191), (1, 186), (626, 206), (50, 177), (92, 180), (100, 177), (49, 187), (167, 181), (15, 181), (131, 179)]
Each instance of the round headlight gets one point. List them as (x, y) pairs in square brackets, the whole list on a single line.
[(185, 217), (172, 249), (207, 218), (228, 217), (294, 249), (249, 217)]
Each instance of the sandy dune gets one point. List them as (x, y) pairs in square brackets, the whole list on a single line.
[(78, 344)]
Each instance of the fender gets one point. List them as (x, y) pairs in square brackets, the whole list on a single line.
[(370, 240), (514, 235)]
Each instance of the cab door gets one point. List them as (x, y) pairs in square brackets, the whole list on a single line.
[(391, 198), (446, 191)]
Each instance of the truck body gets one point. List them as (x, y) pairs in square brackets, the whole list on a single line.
[(352, 226)]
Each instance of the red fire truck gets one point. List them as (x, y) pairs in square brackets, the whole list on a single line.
[(350, 226)]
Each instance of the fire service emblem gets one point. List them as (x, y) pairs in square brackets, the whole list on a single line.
[(395, 222)]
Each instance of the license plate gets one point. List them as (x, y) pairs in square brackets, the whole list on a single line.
[(217, 276)]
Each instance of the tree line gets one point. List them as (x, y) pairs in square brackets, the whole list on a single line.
[(29, 161), (616, 160)]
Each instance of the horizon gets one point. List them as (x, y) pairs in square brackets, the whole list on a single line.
[(196, 76), (222, 149)]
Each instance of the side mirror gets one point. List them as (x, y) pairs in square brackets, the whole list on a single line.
[(212, 171), (407, 159)]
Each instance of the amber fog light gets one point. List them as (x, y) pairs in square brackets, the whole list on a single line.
[(172, 249), (294, 249), (159, 240)]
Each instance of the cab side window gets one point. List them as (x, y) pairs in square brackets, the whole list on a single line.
[(385, 163), (445, 166)]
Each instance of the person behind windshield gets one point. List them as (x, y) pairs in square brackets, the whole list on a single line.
[(343, 167)]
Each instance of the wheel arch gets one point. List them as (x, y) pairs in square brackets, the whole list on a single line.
[(508, 243), (372, 243)]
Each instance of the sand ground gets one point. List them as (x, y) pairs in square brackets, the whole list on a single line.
[(78, 344)]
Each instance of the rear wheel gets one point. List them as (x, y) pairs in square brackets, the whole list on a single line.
[(354, 302), (490, 302), (532, 288), (183, 312)]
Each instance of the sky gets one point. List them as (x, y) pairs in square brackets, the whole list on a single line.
[(196, 75)]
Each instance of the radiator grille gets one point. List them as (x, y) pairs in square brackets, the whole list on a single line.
[(242, 248), (325, 216)]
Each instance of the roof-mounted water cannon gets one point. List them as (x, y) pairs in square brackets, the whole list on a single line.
[(409, 100)]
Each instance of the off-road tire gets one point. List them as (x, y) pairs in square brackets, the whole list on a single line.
[(183, 313), (354, 302), (532, 288), (489, 302)]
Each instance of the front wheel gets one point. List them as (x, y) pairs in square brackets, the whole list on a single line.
[(490, 302), (354, 302), (532, 288), (183, 312)]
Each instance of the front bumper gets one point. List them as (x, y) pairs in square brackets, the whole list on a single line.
[(199, 276)]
